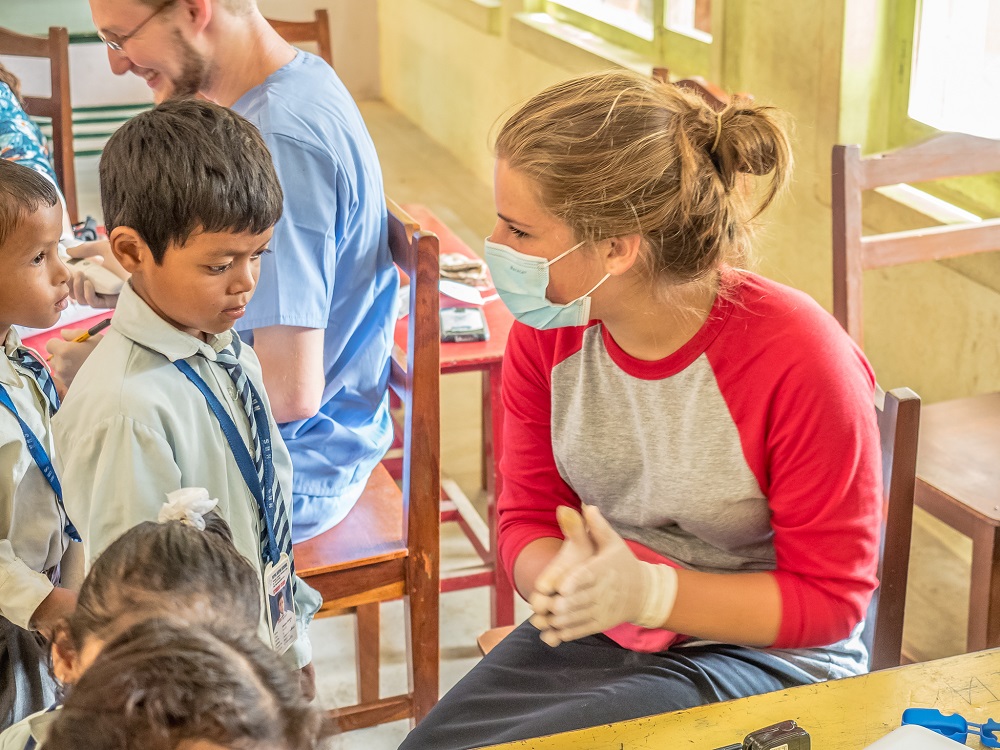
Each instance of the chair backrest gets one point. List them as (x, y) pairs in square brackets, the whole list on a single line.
[(56, 106), (937, 158), (316, 31), (898, 413), (415, 377)]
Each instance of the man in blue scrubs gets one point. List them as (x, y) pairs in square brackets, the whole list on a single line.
[(322, 318)]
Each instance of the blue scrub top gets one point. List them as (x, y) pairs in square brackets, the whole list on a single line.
[(330, 268)]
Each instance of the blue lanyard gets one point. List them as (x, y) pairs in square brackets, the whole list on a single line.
[(41, 459), (263, 495)]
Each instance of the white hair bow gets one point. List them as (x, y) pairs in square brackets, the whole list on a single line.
[(187, 505)]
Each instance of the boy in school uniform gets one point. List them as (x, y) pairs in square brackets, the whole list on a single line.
[(36, 546), (171, 398)]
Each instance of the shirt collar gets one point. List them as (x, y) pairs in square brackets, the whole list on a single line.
[(8, 375), (136, 320), (41, 723)]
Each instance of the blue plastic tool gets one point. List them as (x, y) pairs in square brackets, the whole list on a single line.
[(953, 726)]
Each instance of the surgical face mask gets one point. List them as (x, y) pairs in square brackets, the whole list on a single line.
[(521, 281)]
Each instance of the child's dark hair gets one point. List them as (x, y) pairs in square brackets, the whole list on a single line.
[(185, 166), (161, 683), (22, 192), (155, 569)]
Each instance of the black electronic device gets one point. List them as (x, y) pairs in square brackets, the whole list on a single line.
[(785, 735), (463, 324)]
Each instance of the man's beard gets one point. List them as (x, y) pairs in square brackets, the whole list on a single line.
[(194, 70)]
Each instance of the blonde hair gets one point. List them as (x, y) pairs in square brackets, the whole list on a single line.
[(617, 153)]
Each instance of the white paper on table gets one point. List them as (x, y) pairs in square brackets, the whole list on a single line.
[(453, 289), (72, 314), (461, 292)]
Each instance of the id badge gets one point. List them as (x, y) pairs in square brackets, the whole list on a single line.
[(280, 607)]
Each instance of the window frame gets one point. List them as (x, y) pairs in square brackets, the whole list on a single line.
[(687, 54), (980, 194)]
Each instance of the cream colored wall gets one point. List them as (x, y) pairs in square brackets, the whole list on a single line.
[(928, 326), (453, 80), (353, 35)]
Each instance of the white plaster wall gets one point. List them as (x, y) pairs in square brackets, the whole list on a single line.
[(354, 35)]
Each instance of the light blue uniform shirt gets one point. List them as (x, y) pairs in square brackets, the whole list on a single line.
[(331, 269)]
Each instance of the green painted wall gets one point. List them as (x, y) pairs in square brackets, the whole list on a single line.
[(932, 327)]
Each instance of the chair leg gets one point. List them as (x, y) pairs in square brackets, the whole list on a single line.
[(367, 642), (423, 644), (984, 593)]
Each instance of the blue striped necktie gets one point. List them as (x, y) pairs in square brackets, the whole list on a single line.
[(228, 358), (27, 360)]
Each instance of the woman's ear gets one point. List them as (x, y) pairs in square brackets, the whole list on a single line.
[(129, 248), (621, 253)]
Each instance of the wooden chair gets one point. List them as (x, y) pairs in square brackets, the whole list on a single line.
[(958, 463), (898, 414), (316, 31), (56, 106), (388, 545)]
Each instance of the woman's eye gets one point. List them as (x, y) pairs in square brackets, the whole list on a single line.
[(517, 232), (218, 269)]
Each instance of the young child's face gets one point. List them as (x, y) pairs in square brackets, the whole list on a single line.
[(203, 286), (34, 282)]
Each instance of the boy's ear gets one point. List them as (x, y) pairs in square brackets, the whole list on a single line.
[(65, 661), (129, 248)]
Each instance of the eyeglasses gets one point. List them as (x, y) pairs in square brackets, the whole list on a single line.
[(118, 42)]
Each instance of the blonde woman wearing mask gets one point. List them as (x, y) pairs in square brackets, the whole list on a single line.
[(691, 467)]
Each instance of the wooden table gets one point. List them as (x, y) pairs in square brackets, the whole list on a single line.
[(485, 357), (839, 715)]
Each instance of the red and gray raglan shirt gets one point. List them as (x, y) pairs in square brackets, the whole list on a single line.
[(754, 447)]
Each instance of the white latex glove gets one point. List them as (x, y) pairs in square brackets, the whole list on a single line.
[(80, 288), (575, 550), (68, 356), (610, 588), (576, 547)]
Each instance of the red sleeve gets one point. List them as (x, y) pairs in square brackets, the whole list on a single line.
[(532, 487), (809, 434), (825, 499)]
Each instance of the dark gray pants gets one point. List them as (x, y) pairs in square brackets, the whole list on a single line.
[(524, 689), (26, 685)]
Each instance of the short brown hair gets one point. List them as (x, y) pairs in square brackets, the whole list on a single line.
[(617, 153), (22, 192), (162, 683), (185, 165)]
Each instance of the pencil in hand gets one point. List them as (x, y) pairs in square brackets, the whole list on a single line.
[(92, 331)]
